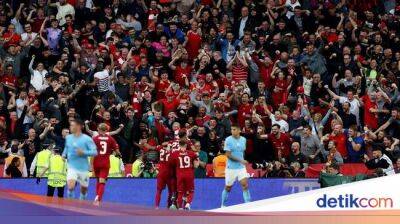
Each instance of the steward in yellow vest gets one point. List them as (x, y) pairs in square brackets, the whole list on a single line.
[(57, 174), (116, 167), (41, 162)]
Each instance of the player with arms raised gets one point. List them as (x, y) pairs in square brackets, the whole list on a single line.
[(101, 163), (235, 145), (184, 162)]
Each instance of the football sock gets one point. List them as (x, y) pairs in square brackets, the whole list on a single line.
[(97, 188), (224, 197), (189, 197), (158, 198), (101, 190), (71, 193), (169, 202), (246, 196), (83, 196), (180, 199)]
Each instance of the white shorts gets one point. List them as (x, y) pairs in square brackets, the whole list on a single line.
[(81, 177), (232, 175)]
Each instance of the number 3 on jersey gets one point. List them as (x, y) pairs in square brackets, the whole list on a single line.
[(103, 145), (184, 162)]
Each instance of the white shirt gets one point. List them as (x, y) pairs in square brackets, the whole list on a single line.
[(38, 80), (89, 4), (18, 27), (242, 26), (291, 7), (20, 108), (307, 83), (25, 36), (64, 10), (390, 169), (103, 84), (284, 125)]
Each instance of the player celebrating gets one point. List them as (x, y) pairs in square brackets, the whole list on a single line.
[(173, 146), (184, 162), (78, 147), (235, 145), (164, 175), (101, 163)]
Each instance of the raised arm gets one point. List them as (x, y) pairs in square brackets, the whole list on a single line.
[(42, 30), (87, 129), (333, 95), (18, 13), (31, 64), (384, 126), (117, 131)]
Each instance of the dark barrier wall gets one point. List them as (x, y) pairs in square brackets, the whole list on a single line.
[(207, 193)]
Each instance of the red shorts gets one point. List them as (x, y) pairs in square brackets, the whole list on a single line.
[(185, 182), (101, 172), (164, 178)]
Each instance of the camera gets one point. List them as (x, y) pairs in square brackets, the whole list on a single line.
[(264, 165)]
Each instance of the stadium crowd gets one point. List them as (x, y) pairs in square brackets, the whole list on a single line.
[(309, 81)]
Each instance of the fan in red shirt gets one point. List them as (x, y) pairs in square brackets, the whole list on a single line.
[(193, 41), (281, 142), (101, 163), (184, 161), (162, 84), (245, 109), (340, 138), (170, 104), (370, 109)]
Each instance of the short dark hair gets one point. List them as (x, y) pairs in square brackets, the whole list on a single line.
[(78, 121), (182, 134), (334, 166), (235, 126), (307, 126), (276, 125), (182, 143)]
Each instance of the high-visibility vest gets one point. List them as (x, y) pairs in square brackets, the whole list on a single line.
[(21, 164), (42, 162), (57, 176), (115, 167), (136, 167)]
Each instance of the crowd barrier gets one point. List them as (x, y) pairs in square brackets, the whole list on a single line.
[(350, 169), (207, 191)]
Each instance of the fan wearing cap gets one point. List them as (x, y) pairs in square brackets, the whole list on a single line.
[(201, 86), (170, 104)]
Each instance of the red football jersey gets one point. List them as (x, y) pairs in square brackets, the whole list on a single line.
[(105, 146), (183, 160), (174, 145), (164, 155)]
